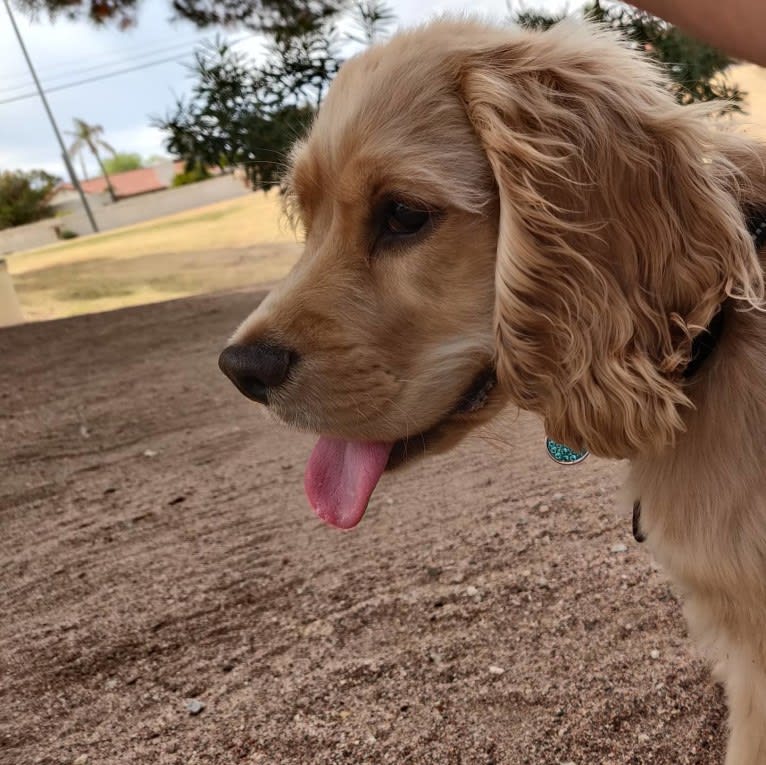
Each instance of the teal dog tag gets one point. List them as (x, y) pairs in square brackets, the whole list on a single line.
[(563, 455)]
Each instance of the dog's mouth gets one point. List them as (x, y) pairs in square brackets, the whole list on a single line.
[(472, 400), (341, 475)]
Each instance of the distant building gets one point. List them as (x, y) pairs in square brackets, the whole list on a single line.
[(131, 183)]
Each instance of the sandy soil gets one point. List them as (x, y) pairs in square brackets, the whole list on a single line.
[(156, 551)]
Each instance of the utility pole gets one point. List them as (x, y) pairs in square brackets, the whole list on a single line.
[(64, 153)]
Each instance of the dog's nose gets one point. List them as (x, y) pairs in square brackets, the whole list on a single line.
[(256, 368)]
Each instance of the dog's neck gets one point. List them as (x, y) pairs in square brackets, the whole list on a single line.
[(725, 437), (704, 345), (706, 341)]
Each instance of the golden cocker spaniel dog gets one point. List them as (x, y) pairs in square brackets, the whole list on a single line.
[(498, 216)]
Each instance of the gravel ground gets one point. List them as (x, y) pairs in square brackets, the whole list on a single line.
[(168, 597)]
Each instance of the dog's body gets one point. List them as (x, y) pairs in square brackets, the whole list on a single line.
[(704, 515), (490, 206)]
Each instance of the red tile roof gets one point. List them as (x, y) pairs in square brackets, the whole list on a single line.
[(127, 184)]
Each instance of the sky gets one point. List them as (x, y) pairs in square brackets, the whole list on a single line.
[(64, 52)]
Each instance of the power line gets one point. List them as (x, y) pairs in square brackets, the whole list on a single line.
[(137, 48), (95, 78), (121, 60), (105, 76)]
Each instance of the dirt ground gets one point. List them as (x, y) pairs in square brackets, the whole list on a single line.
[(157, 554)]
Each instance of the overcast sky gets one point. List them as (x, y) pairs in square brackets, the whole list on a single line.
[(65, 52)]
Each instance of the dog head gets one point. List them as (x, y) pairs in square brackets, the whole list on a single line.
[(487, 206)]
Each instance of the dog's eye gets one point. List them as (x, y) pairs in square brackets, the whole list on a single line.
[(403, 220), (397, 224)]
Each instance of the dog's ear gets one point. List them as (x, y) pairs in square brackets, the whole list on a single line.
[(619, 234)]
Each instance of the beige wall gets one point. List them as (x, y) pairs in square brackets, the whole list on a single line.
[(10, 309)]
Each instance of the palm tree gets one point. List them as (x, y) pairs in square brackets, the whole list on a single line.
[(89, 136)]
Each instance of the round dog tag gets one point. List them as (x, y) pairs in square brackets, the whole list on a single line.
[(563, 455)]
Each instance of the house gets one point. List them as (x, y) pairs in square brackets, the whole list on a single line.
[(131, 183)]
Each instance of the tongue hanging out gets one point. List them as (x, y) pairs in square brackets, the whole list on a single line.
[(341, 476)]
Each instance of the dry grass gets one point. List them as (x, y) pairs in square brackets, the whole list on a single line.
[(222, 246)]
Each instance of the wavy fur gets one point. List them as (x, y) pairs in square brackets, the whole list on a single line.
[(620, 237)]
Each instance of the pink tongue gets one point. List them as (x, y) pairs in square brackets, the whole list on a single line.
[(341, 476)]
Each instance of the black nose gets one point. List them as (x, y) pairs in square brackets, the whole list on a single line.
[(255, 368)]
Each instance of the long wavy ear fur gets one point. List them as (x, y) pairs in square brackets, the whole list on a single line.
[(620, 233)]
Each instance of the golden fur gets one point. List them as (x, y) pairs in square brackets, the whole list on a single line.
[(586, 229)]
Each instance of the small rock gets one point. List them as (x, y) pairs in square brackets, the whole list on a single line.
[(84, 431), (558, 496), (227, 666), (654, 653), (319, 628), (471, 591), (150, 453), (171, 747), (643, 738), (619, 548), (389, 501), (495, 670), (434, 572), (343, 714), (544, 509), (177, 500), (81, 760), (141, 517), (194, 706)]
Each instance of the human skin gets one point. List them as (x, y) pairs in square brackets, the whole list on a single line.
[(734, 26)]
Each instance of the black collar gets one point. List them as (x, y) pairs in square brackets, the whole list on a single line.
[(756, 225), (705, 342), (702, 346)]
